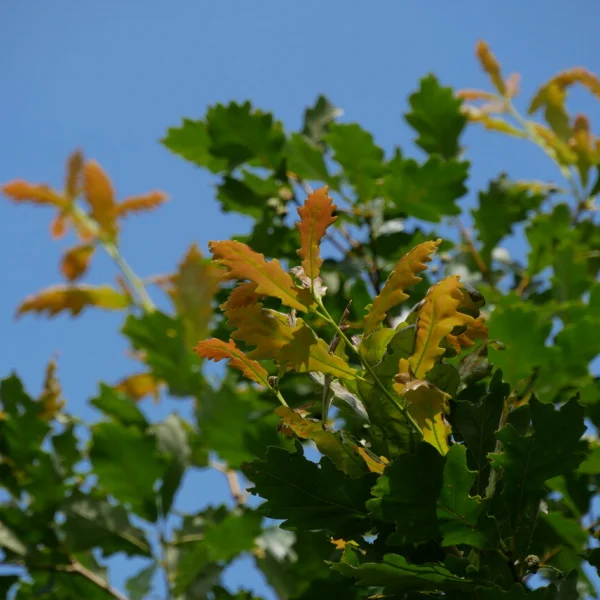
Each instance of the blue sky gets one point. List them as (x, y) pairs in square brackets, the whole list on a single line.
[(112, 76)]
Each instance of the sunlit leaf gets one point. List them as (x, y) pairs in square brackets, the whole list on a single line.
[(436, 116), (51, 397), (100, 196), (404, 275), (138, 204), (139, 385), (490, 65), (217, 350), (316, 215), (76, 261), (477, 330), (344, 454), (243, 294), (428, 405), (73, 175), (270, 278), (60, 298), (438, 316), (292, 345), (22, 191)]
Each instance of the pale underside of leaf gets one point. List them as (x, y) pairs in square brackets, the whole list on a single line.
[(404, 275)]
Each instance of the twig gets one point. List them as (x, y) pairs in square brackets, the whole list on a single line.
[(485, 271), (376, 275), (232, 481), (77, 568)]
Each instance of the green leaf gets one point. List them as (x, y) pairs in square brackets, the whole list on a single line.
[(358, 155), (524, 329), (66, 449), (427, 497), (528, 461), (318, 118), (240, 134), (192, 142), (162, 339), (237, 424), (397, 575), (119, 406), (428, 191), (305, 158), (139, 585), (500, 207), (248, 196), (10, 541), (307, 495), (128, 465), (173, 440), (93, 523), (214, 536), (6, 582), (436, 116), (477, 424), (290, 561), (570, 279), (220, 593)]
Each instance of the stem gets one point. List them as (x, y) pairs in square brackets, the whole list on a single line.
[(111, 249), (79, 569), (376, 275), (325, 315), (232, 481), (485, 271)]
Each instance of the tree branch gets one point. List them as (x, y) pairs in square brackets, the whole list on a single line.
[(232, 481)]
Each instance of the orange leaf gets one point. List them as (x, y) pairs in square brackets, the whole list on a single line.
[(316, 216), (74, 299), (472, 95), (192, 290), (139, 386), (490, 65), (22, 191), (475, 330), (294, 345), (244, 294), (403, 276), (270, 278), (59, 226), (73, 176), (145, 203), (437, 317), (217, 350), (100, 196), (76, 261)]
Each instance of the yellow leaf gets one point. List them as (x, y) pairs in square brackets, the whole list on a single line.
[(564, 80), (343, 453), (474, 95), (582, 143), (476, 330), (341, 544), (294, 345), (139, 386), (73, 176), (51, 398), (437, 317), (137, 204), (192, 290), (269, 277), (217, 350), (375, 464), (100, 197), (564, 154), (492, 123), (59, 226), (403, 276), (490, 65), (76, 261), (22, 191), (243, 294), (316, 216), (60, 298), (427, 405)]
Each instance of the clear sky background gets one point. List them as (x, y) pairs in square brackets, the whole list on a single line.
[(110, 76)]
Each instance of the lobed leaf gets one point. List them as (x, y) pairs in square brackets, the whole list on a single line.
[(403, 276), (137, 204), (23, 191), (344, 454), (243, 294), (76, 261), (438, 316), (60, 298), (217, 350), (270, 278), (100, 196), (316, 215), (293, 345)]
